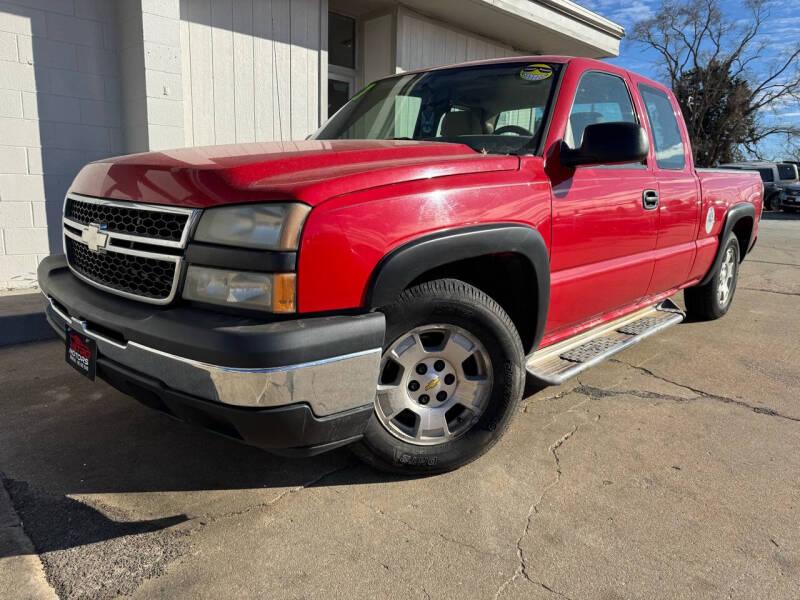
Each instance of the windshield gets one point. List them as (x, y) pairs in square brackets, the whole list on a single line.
[(496, 108)]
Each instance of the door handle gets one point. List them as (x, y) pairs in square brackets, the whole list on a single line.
[(650, 199)]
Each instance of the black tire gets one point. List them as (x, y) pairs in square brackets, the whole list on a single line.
[(703, 302), (773, 202), (453, 302)]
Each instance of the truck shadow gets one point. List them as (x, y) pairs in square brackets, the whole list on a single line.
[(55, 522), (65, 439), (781, 216)]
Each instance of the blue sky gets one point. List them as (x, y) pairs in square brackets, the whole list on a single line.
[(782, 31)]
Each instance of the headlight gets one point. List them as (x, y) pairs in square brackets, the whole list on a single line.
[(273, 292), (262, 226)]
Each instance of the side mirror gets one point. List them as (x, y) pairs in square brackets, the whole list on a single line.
[(608, 143)]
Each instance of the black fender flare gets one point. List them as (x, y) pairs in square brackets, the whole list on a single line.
[(735, 214), (403, 265)]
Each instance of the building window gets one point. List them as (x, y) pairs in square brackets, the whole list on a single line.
[(341, 60), (341, 41)]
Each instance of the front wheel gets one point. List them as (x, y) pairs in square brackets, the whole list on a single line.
[(451, 378), (712, 300)]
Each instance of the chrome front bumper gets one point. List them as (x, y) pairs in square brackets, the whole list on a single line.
[(328, 386)]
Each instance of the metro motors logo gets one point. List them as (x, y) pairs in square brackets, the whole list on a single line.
[(79, 352)]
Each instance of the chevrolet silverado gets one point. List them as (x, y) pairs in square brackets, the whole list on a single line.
[(390, 282)]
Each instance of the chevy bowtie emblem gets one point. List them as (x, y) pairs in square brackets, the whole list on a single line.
[(432, 384), (94, 237)]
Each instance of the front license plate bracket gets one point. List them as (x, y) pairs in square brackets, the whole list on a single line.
[(81, 353)]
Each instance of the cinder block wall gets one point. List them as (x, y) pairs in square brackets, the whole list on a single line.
[(60, 108), (86, 79)]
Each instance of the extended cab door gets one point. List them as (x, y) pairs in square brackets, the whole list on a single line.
[(678, 191), (603, 236)]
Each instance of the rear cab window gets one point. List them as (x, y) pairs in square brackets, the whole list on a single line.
[(787, 172), (667, 141)]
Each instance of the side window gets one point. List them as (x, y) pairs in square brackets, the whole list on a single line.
[(386, 120), (666, 133), (406, 112), (600, 98)]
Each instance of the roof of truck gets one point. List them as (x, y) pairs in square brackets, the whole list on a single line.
[(545, 58)]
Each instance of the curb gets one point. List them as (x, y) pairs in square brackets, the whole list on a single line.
[(21, 571), (22, 319)]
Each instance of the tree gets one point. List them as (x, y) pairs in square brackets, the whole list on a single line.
[(722, 124), (727, 83)]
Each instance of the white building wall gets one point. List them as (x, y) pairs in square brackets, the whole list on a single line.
[(59, 109), (251, 69), (378, 40), (152, 89), (423, 42)]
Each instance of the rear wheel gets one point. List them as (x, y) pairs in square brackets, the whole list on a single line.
[(712, 300), (451, 378)]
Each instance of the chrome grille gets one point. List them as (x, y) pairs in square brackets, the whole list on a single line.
[(122, 219), (137, 275), (133, 250)]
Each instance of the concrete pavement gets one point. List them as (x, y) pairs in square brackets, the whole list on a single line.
[(671, 471)]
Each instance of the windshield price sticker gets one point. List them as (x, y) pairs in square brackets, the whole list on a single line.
[(536, 72)]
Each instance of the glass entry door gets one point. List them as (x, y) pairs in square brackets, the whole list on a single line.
[(340, 90)]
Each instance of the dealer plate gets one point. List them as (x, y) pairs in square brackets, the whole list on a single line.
[(81, 353)]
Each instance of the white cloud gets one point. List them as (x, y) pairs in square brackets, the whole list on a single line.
[(635, 11), (624, 13)]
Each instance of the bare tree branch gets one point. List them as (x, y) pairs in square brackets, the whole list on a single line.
[(728, 87)]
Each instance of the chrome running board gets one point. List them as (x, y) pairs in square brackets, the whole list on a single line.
[(557, 363)]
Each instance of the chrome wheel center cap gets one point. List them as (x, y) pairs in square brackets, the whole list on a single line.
[(433, 384)]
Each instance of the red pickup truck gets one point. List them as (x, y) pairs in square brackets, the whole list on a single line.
[(390, 282)]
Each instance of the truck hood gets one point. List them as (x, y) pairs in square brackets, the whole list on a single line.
[(310, 171)]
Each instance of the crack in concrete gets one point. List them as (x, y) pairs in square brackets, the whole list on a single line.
[(207, 519), (558, 396), (700, 394), (766, 291), (522, 568), (411, 527), (769, 262)]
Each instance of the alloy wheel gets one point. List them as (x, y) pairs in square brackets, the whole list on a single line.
[(726, 273), (435, 384)]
